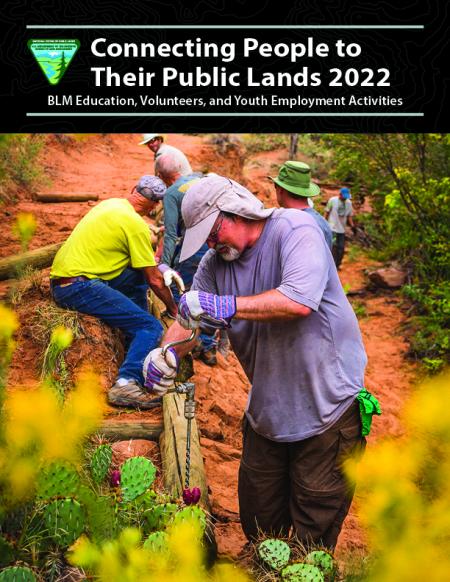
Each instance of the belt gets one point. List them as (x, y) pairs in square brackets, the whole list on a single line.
[(67, 280)]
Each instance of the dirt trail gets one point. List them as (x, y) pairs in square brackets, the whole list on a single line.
[(110, 166)]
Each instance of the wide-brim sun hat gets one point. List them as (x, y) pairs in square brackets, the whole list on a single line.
[(146, 137), (295, 177), (203, 202)]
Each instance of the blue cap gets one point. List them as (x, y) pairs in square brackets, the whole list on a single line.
[(345, 193)]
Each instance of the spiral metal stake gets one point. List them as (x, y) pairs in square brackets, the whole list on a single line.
[(187, 388)]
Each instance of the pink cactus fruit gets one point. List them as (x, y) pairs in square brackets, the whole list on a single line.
[(191, 496), (115, 478)]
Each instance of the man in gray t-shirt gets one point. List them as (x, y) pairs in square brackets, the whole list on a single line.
[(271, 273)]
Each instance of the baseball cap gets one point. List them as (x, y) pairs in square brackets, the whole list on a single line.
[(295, 177), (146, 137), (203, 202), (151, 187), (345, 193)]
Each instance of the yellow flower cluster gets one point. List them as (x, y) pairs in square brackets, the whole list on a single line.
[(38, 429), (125, 560), (8, 325), (405, 490), (24, 228)]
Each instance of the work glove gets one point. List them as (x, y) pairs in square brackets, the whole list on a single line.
[(171, 276), (160, 370), (206, 310)]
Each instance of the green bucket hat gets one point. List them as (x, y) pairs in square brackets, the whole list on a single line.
[(295, 177)]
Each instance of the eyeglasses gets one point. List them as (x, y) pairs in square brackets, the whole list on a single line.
[(213, 237)]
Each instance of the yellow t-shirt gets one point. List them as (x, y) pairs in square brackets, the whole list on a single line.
[(111, 237)]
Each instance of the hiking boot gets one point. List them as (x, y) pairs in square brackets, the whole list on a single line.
[(209, 358), (132, 395)]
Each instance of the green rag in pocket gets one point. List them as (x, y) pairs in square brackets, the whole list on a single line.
[(368, 406)]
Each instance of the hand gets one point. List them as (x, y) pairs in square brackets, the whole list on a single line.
[(197, 308), (171, 276), (160, 370)]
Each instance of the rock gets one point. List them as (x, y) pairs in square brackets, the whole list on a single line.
[(123, 450), (388, 278)]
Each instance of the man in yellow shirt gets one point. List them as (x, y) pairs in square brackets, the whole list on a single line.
[(105, 268)]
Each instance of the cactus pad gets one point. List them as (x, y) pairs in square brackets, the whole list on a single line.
[(301, 573), (322, 560), (274, 553), (137, 474), (17, 574), (159, 516), (64, 520), (57, 480), (157, 542), (100, 462), (192, 513)]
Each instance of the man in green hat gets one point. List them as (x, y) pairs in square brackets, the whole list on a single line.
[(294, 190)]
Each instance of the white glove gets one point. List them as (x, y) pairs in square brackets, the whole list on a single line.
[(160, 370), (171, 276)]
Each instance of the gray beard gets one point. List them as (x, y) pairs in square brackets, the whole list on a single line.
[(231, 255)]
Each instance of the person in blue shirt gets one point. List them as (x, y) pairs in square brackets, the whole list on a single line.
[(169, 169)]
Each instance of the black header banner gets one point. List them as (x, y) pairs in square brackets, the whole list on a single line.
[(360, 70)]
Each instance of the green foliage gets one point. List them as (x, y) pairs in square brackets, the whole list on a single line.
[(430, 340), (406, 177), (265, 142), (19, 166), (359, 308), (275, 553)]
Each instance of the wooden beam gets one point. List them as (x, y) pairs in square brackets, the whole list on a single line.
[(38, 258), (122, 431), (65, 197), (173, 450)]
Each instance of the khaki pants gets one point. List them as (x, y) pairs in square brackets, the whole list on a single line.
[(299, 484)]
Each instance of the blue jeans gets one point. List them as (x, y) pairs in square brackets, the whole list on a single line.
[(121, 303), (187, 270)]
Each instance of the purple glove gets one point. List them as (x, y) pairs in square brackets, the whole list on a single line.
[(197, 307), (160, 370)]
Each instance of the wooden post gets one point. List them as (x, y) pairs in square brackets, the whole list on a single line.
[(122, 431), (173, 450), (65, 197), (39, 258)]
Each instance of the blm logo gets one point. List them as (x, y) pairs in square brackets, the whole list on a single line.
[(53, 56)]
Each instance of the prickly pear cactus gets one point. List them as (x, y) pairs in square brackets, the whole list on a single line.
[(274, 553), (17, 574), (301, 572), (159, 516), (100, 462), (157, 542), (57, 480), (323, 560), (64, 519), (192, 513), (137, 474)]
